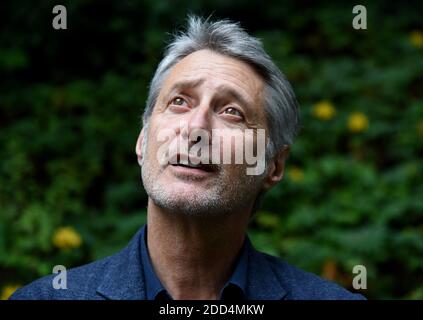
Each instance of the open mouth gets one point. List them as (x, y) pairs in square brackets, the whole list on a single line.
[(191, 163)]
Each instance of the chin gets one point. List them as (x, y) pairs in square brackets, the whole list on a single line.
[(188, 200)]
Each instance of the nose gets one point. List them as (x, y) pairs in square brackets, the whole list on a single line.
[(198, 123)]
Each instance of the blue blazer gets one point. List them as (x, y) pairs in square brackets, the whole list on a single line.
[(120, 277)]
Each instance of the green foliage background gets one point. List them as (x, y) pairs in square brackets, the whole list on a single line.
[(70, 106)]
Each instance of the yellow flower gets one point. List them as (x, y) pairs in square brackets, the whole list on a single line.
[(66, 238), (358, 122), (416, 38), (8, 291), (296, 174), (324, 110), (330, 270)]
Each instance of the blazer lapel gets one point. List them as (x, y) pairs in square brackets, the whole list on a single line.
[(263, 281), (124, 278)]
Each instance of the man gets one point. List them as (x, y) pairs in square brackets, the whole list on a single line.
[(213, 78)]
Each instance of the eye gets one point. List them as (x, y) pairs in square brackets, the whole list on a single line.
[(233, 112), (178, 101), (178, 105)]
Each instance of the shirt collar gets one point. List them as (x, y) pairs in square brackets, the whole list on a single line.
[(122, 275), (238, 279), (239, 275), (152, 283)]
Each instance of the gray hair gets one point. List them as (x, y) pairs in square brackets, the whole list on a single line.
[(228, 38)]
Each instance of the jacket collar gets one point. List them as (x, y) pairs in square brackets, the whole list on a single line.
[(124, 276), (263, 281)]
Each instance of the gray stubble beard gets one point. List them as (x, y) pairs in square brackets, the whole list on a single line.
[(226, 196)]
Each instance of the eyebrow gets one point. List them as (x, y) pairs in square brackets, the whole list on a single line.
[(225, 90), (186, 84), (222, 90)]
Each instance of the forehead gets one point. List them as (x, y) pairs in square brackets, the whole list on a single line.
[(216, 71)]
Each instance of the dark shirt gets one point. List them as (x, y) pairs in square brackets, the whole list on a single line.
[(121, 277), (234, 289)]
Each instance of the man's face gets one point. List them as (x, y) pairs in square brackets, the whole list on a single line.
[(205, 91)]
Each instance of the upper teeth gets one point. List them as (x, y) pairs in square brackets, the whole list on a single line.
[(194, 165), (185, 162), (191, 164)]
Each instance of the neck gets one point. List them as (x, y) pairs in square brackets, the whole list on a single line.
[(194, 257)]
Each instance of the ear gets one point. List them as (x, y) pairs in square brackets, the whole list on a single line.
[(276, 168), (138, 147)]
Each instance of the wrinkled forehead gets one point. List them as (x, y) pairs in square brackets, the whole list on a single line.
[(209, 70)]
